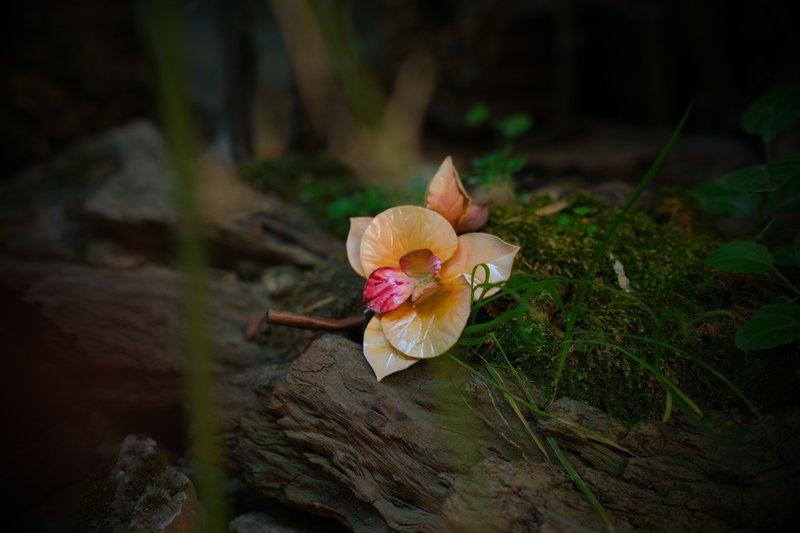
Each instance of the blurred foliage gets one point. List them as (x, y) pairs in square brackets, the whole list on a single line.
[(763, 192), (164, 31), (499, 166), (328, 189), (772, 112), (495, 168)]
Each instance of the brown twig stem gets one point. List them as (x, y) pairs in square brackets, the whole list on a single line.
[(297, 320)]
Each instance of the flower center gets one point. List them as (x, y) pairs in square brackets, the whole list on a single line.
[(423, 268), (416, 279)]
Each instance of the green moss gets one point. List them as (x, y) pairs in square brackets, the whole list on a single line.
[(662, 251)]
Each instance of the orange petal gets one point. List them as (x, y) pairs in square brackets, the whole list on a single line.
[(400, 230), (431, 326), (475, 249), (446, 194), (381, 356), (475, 218), (357, 227)]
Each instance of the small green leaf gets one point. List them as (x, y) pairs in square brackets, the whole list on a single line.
[(581, 210), (788, 256), (740, 256), (515, 125), (772, 112), (716, 200), (563, 219), (762, 178), (591, 228), (477, 115), (773, 325)]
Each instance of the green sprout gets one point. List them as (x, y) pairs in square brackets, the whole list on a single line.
[(498, 167)]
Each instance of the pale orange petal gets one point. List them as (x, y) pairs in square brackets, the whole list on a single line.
[(357, 227), (431, 326), (446, 194), (400, 230), (381, 356), (477, 248), (474, 219)]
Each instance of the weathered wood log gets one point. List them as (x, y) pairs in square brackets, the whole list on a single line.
[(96, 351), (93, 354), (435, 449)]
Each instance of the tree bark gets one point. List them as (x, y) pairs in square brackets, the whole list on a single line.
[(435, 449)]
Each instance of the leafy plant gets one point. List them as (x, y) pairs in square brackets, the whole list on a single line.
[(762, 192), (498, 167)]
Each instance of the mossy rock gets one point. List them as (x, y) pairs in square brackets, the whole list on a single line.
[(673, 298)]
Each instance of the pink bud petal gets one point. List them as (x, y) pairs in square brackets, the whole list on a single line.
[(473, 219), (386, 289)]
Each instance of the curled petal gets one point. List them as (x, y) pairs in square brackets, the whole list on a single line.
[(446, 194), (386, 289), (481, 248), (422, 267), (420, 264), (431, 326), (474, 219), (357, 227), (399, 230), (380, 355)]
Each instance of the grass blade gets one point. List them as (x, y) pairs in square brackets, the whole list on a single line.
[(572, 318), (582, 486)]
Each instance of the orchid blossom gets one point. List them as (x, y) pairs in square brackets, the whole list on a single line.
[(419, 272)]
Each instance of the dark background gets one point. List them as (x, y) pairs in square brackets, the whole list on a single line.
[(72, 69)]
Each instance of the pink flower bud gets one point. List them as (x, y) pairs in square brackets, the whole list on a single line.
[(386, 289)]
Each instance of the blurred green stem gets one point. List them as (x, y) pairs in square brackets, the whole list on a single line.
[(161, 21)]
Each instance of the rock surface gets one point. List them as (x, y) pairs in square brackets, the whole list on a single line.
[(145, 494), (138, 190), (118, 185), (435, 449)]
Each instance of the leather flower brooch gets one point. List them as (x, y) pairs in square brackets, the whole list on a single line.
[(419, 272)]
